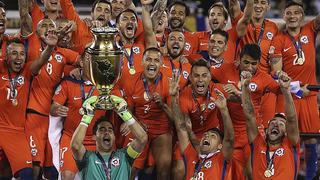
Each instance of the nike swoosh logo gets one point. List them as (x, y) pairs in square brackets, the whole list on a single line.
[(231, 82), (97, 162), (3, 78), (135, 97), (263, 152), (203, 44), (76, 98), (28, 162), (285, 50)]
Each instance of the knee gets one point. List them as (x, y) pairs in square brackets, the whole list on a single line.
[(163, 165), (26, 174), (178, 167), (67, 175)]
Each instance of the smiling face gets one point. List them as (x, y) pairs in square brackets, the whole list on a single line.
[(3, 20), (217, 45), (152, 62), (44, 26), (200, 78), (276, 130), (104, 137), (293, 16), (127, 24), (177, 16), (118, 6), (175, 45), (210, 142), (102, 13), (260, 8), (16, 56), (51, 5), (216, 18)]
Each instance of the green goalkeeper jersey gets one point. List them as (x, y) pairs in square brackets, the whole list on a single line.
[(91, 167)]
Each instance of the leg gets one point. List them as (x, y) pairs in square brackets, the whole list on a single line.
[(49, 170), (162, 151), (5, 169), (178, 169), (68, 167)]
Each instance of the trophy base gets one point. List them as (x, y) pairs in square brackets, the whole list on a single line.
[(104, 103)]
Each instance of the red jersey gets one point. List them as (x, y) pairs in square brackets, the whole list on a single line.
[(213, 166), (49, 77), (286, 159), (132, 58), (3, 47), (184, 69), (284, 48), (144, 108), (260, 83), (229, 55), (72, 93), (263, 36), (37, 15), (13, 117), (201, 110)]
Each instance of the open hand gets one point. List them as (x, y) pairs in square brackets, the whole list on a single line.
[(220, 101)]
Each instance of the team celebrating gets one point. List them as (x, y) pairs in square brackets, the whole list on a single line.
[(227, 103)]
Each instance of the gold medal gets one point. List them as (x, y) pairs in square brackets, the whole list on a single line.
[(132, 71), (268, 173), (146, 97), (300, 61), (14, 102), (81, 111), (203, 107)]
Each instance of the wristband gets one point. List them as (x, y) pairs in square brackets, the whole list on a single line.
[(86, 119), (84, 124), (132, 153), (125, 115), (131, 121)]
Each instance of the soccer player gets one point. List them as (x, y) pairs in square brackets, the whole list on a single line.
[(209, 159), (146, 97), (67, 103), (217, 47), (294, 53), (52, 61), (229, 75), (261, 31), (106, 162), (100, 16), (66, 40), (275, 155)]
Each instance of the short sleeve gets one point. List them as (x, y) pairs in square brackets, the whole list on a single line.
[(61, 93), (277, 46), (71, 56)]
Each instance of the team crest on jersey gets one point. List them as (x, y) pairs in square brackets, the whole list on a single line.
[(136, 50), (187, 47), (185, 74), (269, 35), (115, 162), (208, 164), (211, 105), (304, 39), (279, 152), (20, 80), (253, 87), (58, 57), (58, 89)]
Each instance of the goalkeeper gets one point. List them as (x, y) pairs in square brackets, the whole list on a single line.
[(106, 162)]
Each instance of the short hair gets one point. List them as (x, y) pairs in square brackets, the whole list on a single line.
[(220, 32), (104, 118), (127, 10), (181, 3), (293, 3), (253, 50), (278, 115), (217, 131), (225, 12), (152, 49), (2, 5), (200, 63), (99, 1), (13, 41)]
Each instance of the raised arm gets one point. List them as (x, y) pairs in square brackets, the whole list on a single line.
[(316, 22), (141, 138), (228, 139), (149, 36), (245, 20), (25, 19), (234, 8), (77, 147), (51, 40), (248, 110), (290, 110), (157, 12)]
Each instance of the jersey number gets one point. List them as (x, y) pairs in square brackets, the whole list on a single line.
[(49, 68)]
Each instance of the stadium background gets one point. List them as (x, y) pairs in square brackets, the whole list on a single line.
[(196, 21)]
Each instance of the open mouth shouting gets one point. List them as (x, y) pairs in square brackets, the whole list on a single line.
[(130, 30)]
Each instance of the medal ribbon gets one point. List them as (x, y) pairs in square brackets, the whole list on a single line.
[(199, 164), (297, 45), (258, 40), (173, 67), (146, 87), (269, 159), (106, 167), (83, 93), (13, 86), (198, 104), (130, 57)]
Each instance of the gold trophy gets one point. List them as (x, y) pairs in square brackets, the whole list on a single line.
[(106, 57)]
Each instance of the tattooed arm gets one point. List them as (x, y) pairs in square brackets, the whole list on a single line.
[(157, 12), (25, 19)]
